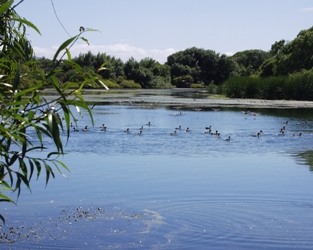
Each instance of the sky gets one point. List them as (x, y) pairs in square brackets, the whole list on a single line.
[(159, 28)]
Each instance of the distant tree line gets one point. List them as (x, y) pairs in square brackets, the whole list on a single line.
[(285, 65)]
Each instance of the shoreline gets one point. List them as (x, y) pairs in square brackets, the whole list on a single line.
[(187, 98)]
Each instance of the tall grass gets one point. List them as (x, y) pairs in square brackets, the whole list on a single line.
[(295, 87)]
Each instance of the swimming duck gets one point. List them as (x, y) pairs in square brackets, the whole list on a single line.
[(179, 128), (104, 129), (140, 133), (85, 128), (187, 130), (173, 133), (208, 132), (256, 135), (149, 124), (297, 134), (228, 139), (281, 133), (127, 130), (141, 128)]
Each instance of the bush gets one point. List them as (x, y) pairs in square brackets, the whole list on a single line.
[(130, 84), (196, 85)]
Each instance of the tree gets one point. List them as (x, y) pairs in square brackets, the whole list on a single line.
[(249, 61), (24, 111), (290, 57), (204, 66)]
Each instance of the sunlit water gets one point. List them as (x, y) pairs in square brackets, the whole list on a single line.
[(188, 191)]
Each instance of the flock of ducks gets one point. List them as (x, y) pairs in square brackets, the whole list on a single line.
[(208, 130)]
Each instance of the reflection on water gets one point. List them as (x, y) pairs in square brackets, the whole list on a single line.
[(188, 191), (305, 158)]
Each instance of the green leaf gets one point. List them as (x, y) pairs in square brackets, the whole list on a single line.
[(26, 22), (31, 166), (28, 90), (63, 46), (68, 53), (2, 219), (63, 165), (85, 40), (4, 7), (16, 81), (48, 172), (6, 198), (38, 166)]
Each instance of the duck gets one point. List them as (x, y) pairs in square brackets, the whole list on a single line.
[(139, 133), (228, 139), (281, 133), (208, 132), (104, 128), (208, 127), (127, 130), (297, 134), (302, 123), (141, 128), (187, 130), (75, 129), (216, 132), (85, 128), (179, 128), (285, 122), (149, 124), (173, 133), (256, 135)]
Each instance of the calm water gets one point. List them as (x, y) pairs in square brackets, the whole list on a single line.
[(189, 191)]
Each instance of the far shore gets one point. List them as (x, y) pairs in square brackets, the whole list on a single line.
[(188, 98)]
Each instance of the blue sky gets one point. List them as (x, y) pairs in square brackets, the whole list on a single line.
[(156, 29)]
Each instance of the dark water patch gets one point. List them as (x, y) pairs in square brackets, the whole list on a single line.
[(79, 228)]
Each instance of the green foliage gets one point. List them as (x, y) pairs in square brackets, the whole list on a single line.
[(204, 66), (212, 89), (24, 109), (130, 84), (159, 82), (292, 57), (249, 61), (111, 84), (183, 81), (196, 85), (295, 87)]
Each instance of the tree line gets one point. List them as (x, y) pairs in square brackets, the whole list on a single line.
[(197, 67)]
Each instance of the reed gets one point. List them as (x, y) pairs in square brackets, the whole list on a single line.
[(298, 86)]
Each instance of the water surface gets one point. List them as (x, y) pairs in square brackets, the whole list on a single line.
[(189, 191)]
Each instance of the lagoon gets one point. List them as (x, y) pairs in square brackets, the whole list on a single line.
[(189, 191)]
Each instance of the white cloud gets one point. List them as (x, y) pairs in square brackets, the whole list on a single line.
[(123, 51), (229, 53), (306, 9)]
